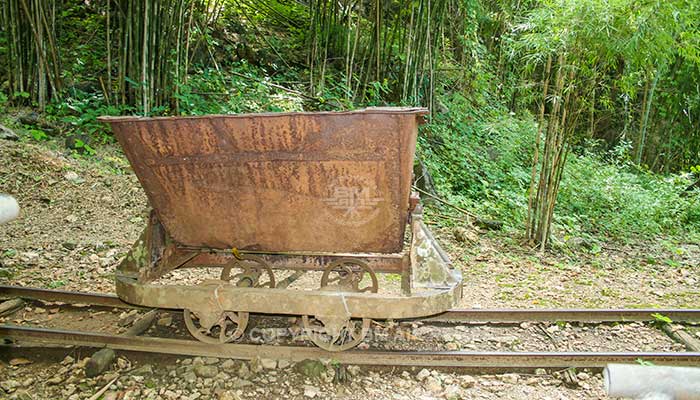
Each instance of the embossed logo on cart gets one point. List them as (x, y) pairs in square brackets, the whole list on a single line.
[(354, 201)]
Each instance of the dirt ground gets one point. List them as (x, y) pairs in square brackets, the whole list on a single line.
[(80, 216)]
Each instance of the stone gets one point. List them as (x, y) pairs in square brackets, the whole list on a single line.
[(7, 133), (145, 369), (310, 368), (553, 328), (540, 371), (255, 365), (282, 364), (241, 383), (510, 378), (582, 376), (123, 363), (99, 362), (465, 235), (19, 361), (268, 363), (228, 364), (198, 361), (422, 374), (244, 371), (205, 371), (189, 377), (451, 346), (506, 339), (311, 391), (452, 392), (467, 381), (228, 395), (55, 380), (211, 360), (10, 385), (354, 370), (72, 177), (165, 320), (433, 384), (21, 394)]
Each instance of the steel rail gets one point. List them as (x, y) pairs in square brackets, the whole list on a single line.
[(450, 316), (563, 314), (459, 359)]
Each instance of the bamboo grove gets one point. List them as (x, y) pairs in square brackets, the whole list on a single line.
[(620, 74)]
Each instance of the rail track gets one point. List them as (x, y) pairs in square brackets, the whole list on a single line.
[(24, 337)]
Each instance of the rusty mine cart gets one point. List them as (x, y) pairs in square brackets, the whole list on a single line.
[(256, 194)]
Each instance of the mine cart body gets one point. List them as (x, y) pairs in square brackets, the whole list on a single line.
[(288, 191)]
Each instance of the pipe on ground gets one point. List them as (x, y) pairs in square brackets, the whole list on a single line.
[(652, 382), (9, 209)]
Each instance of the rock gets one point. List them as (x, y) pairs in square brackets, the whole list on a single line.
[(21, 395), (99, 362), (354, 370), (510, 378), (467, 381), (310, 368), (205, 371), (553, 329), (244, 371), (19, 361), (55, 380), (465, 235), (189, 377), (540, 371), (452, 392), (7, 133), (72, 177), (268, 363), (228, 364), (433, 384), (123, 363), (422, 374), (241, 383), (228, 395), (211, 360), (165, 320), (145, 369), (282, 364), (582, 376), (10, 385), (28, 382), (311, 391), (506, 339), (452, 346), (255, 365), (30, 118)]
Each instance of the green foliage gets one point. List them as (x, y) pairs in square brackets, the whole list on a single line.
[(79, 113), (661, 319), (617, 199)]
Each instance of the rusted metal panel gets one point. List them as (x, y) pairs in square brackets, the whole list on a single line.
[(336, 182)]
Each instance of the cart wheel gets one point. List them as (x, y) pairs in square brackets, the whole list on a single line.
[(341, 333), (347, 274), (253, 270), (228, 327), (335, 334)]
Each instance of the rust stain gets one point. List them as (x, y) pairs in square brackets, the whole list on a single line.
[(278, 182)]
